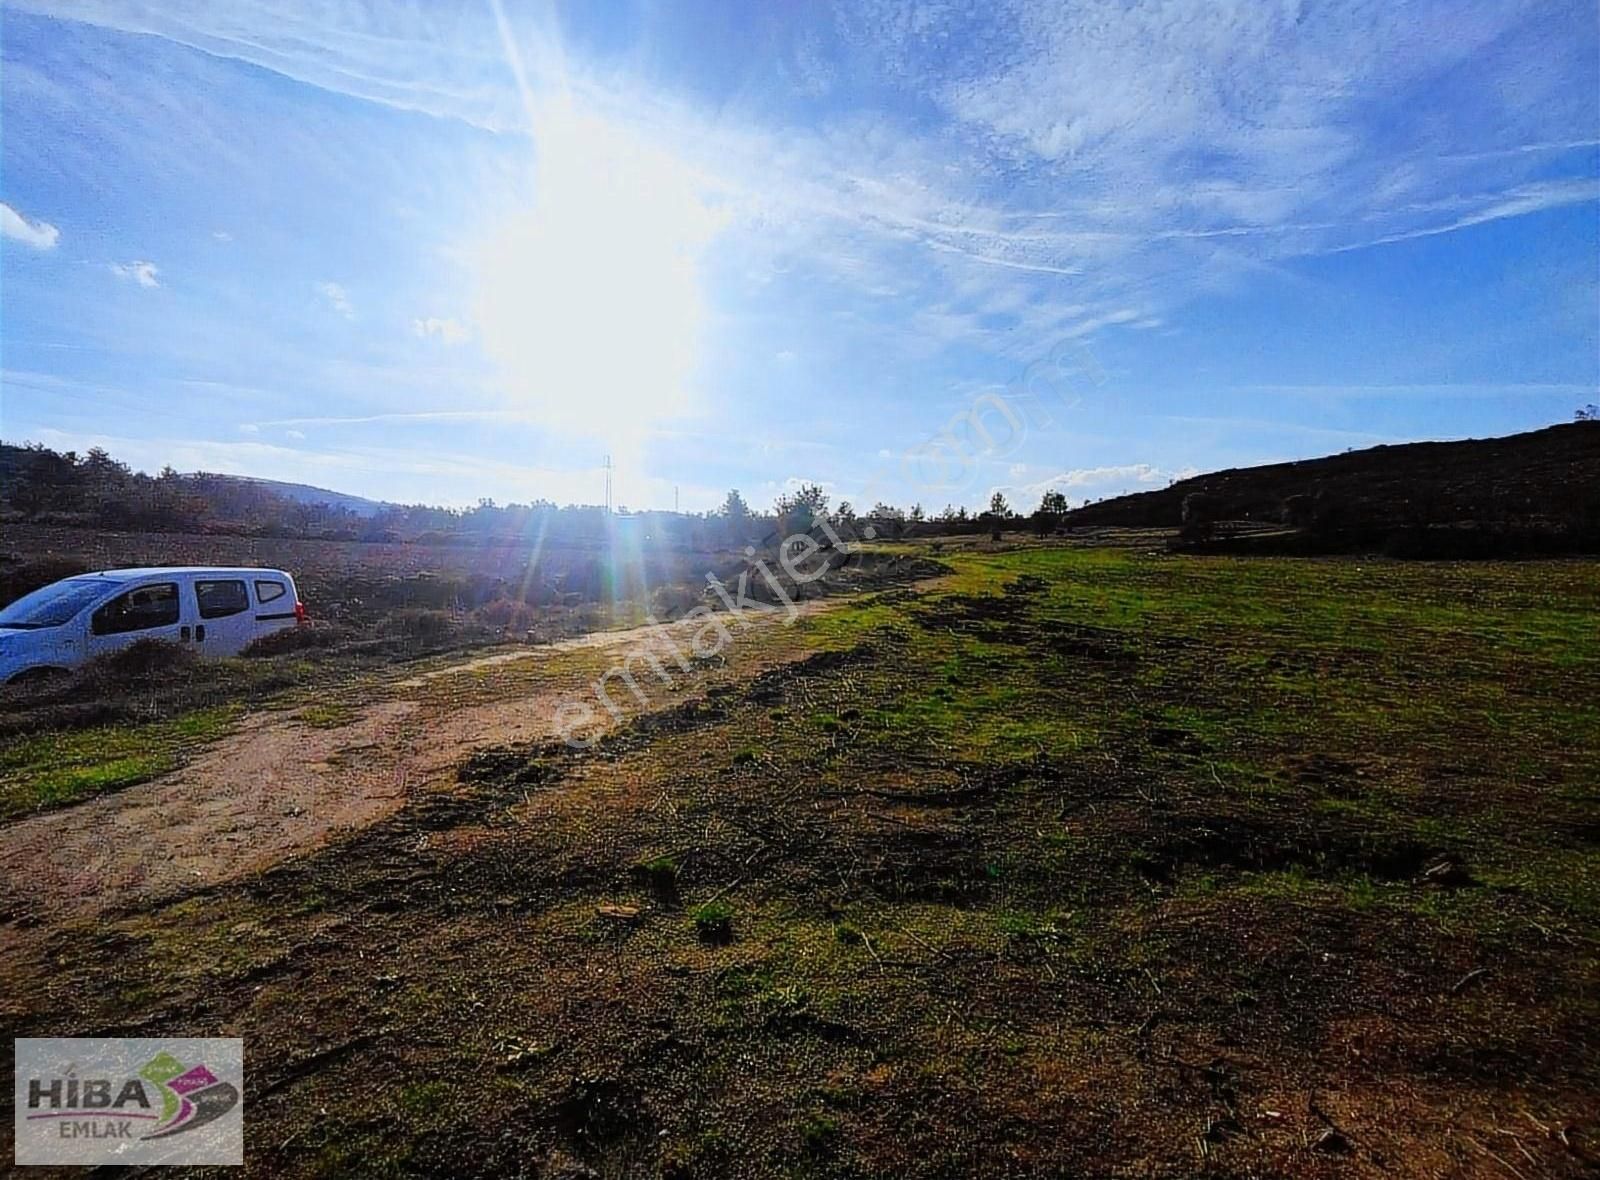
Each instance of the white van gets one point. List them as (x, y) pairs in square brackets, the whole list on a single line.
[(215, 611)]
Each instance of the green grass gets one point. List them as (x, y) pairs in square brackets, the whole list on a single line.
[(53, 769), (713, 922), (326, 715), (1477, 680), (424, 1102)]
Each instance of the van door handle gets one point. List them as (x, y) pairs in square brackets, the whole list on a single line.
[(183, 634), (199, 634)]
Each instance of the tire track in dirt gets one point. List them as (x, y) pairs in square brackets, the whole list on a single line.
[(278, 787)]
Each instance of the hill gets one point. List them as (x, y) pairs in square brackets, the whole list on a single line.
[(302, 493), (1541, 483)]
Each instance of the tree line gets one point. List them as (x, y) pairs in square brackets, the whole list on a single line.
[(95, 490)]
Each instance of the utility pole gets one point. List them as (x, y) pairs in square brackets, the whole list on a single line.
[(674, 499), (608, 485)]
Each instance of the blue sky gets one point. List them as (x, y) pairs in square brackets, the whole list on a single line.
[(430, 251)]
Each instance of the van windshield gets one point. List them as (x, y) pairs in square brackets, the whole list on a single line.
[(54, 604)]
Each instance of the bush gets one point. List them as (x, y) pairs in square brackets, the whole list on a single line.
[(40, 571), (713, 923), (141, 663), (510, 615), (420, 624), (660, 876), (670, 602), (304, 637)]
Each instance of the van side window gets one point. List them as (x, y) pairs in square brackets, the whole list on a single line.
[(267, 591), (138, 610), (218, 600)]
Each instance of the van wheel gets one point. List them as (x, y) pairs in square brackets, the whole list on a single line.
[(39, 676)]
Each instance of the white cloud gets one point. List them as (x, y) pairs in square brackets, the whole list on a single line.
[(143, 273), (41, 235), (338, 298), (294, 434), (1082, 483), (222, 235), (1083, 477), (450, 331), (1524, 199)]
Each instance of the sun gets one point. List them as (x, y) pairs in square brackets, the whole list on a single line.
[(591, 301)]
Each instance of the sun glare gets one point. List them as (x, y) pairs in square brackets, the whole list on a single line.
[(590, 302)]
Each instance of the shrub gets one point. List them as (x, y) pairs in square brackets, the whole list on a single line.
[(818, 1133), (305, 637), (142, 662), (537, 592), (713, 923), (420, 624), (659, 874), (509, 614), (669, 602)]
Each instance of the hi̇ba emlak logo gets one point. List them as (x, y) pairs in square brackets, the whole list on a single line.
[(107, 1108), (129, 1100)]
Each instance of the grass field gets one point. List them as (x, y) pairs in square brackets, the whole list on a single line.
[(1076, 862)]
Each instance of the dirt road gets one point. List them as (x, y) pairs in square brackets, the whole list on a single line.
[(280, 786)]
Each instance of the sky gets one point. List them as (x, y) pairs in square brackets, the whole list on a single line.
[(431, 252)]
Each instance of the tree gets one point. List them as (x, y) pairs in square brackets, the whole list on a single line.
[(798, 512), (735, 514), (97, 464), (846, 513), (1589, 413), (916, 514), (887, 520), (812, 499), (999, 512), (1052, 507)]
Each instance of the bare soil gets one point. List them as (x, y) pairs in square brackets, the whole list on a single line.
[(281, 786)]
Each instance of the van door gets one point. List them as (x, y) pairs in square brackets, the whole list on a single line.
[(150, 610), (224, 621), (277, 606)]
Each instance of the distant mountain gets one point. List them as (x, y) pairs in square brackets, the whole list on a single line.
[(1540, 480), (302, 493)]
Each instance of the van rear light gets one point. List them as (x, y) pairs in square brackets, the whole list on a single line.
[(300, 612)]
